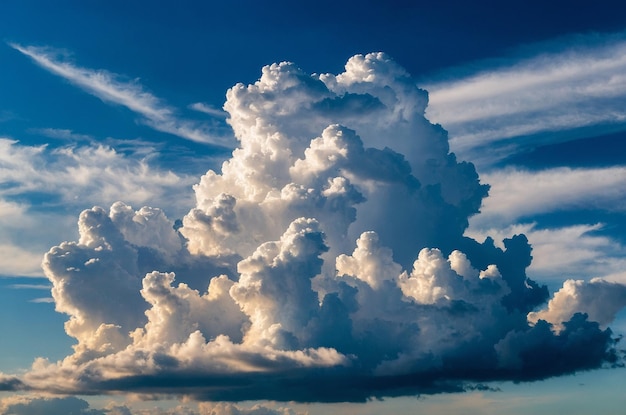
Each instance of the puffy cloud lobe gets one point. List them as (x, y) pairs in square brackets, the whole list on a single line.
[(263, 293), (600, 300), (574, 250), (148, 227), (176, 312), (97, 280), (281, 150), (176, 329), (274, 287), (208, 228), (370, 262), (434, 278)]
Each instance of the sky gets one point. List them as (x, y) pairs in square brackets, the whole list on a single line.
[(263, 208)]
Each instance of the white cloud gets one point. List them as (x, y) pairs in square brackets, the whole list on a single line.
[(31, 286), (208, 109), (42, 300), (12, 212), (130, 94), (61, 134), (600, 299), (257, 296), (436, 279), (517, 193), (69, 178), (370, 262), (551, 91), (88, 174), (16, 261)]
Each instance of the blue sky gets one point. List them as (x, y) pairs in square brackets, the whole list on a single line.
[(348, 240)]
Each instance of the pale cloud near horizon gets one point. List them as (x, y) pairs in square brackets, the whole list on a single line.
[(570, 88), (130, 94), (36, 405)]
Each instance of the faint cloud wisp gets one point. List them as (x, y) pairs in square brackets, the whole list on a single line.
[(109, 88)]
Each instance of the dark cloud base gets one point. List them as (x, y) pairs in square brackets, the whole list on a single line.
[(581, 346), (11, 383)]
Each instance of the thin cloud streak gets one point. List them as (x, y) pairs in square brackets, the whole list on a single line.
[(42, 300), (131, 95), (71, 177), (88, 174), (207, 109), (575, 87), (31, 286), (17, 261), (575, 251), (61, 134), (511, 197)]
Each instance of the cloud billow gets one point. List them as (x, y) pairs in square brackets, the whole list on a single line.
[(325, 262)]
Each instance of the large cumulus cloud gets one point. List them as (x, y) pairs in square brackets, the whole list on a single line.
[(325, 262)]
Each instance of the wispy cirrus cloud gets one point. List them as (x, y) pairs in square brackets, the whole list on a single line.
[(79, 175), (41, 185), (516, 194), (61, 134), (7, 116), (46, 300), (517, 197), (575, 251), (30, 286), (208, 109), (111, 89), (573, 87), (17, 261)]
